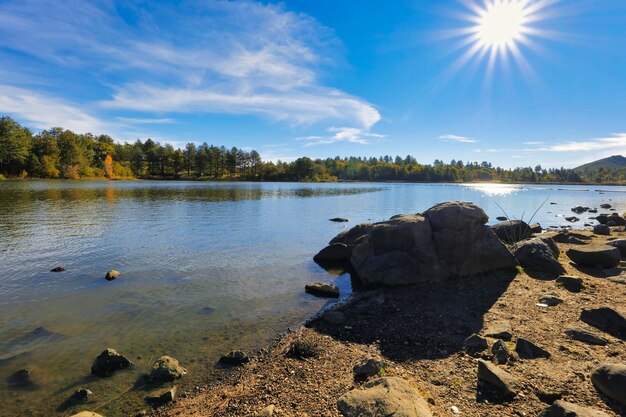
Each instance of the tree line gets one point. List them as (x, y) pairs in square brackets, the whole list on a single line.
[(61, 153)]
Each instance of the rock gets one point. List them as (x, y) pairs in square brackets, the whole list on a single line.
[(570, 237), (57, 269), (572, 219), (565, 409), (605, 206), (166, 369), (550, 301), (503, 381), (86, 414), (337, 252), (161, 397), (111, 275), (501, 353), (368, 368), (579, 209), (620, 244), (334, 317), (108, 362), (552, 245), (528, 350), (502, 218), (512, 231), (592, 210), (475, 343), (339, 220), (266, 412), (384, 397), (21, 378), (536, 255), (320, 289), (572, 284), (234, 358), (614, 217), (610, 380), (449, 240), (607, 320), (602, 229), (536, 228), (611, 223), (352, 236), (500, 330), (601, 256), (585, 336), (81, 394)]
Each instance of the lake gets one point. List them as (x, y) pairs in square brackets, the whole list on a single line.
[(206, 268)]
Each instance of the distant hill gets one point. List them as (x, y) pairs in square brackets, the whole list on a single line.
[(612, 162)]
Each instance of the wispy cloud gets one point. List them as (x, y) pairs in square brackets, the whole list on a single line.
[(457, 139), (616, 141), (342, 134), (532, 143), (200, 57), (140, 121)]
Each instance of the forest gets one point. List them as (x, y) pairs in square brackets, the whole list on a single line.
[(61, 153)]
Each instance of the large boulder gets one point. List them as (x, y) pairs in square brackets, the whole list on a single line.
[(384, 397), (108, 362), (620, 244), (564, 409), (512, 231), (601, 256), (464, 244), (611, 381), (607, 320), (536, 255)]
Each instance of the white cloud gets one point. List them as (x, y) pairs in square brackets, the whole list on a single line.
[(42, 111), (616, 141), (457, 139), (134, 120), (233, 57), (532, 143), (342, 134)]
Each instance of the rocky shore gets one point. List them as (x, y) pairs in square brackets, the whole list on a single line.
[(450, 317)]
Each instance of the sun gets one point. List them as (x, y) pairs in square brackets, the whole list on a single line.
[(502, 23)]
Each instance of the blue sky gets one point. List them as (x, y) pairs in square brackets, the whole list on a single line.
[(324, 77)]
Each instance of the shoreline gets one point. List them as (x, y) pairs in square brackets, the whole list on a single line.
[(294, 387)]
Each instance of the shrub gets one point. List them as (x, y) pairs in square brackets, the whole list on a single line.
[(302, 349)]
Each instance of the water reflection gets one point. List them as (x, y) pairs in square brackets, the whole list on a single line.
[(495, 189)]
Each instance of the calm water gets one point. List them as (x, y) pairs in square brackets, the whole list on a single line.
[(206, 267)]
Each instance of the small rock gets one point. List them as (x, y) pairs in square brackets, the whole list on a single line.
[(161, 397), (81, 394), (166, 369), (572, 219), (334, 317), (339, 220), (267, 411), (501, 353), (57, 269), (565, 409), (602, 229), (108, 362), (607, 320), (21, 378), (454, 409), (319, 289), (605, 206), (503, 381), (585, 336), (234, 358), (579, 209), (502, 218), (475, 343), (550, 301), (500, 330), (610, 380), (549, 397), (528, 350), (111, 275), (536, 228), (570, 283), (86, 414), (368, 368)]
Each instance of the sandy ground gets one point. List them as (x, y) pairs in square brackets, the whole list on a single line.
[(419, 332)]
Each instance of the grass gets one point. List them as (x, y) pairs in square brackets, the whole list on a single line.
[(303, 349)]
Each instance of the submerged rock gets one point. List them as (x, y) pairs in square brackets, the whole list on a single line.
[(320, 289), (166, 369), (601, 256), (108, 362), (21, 378), (57, 269), (384, 397), (234, 358), (610, 380), (162, 397), (81, 394), (111, 275)]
